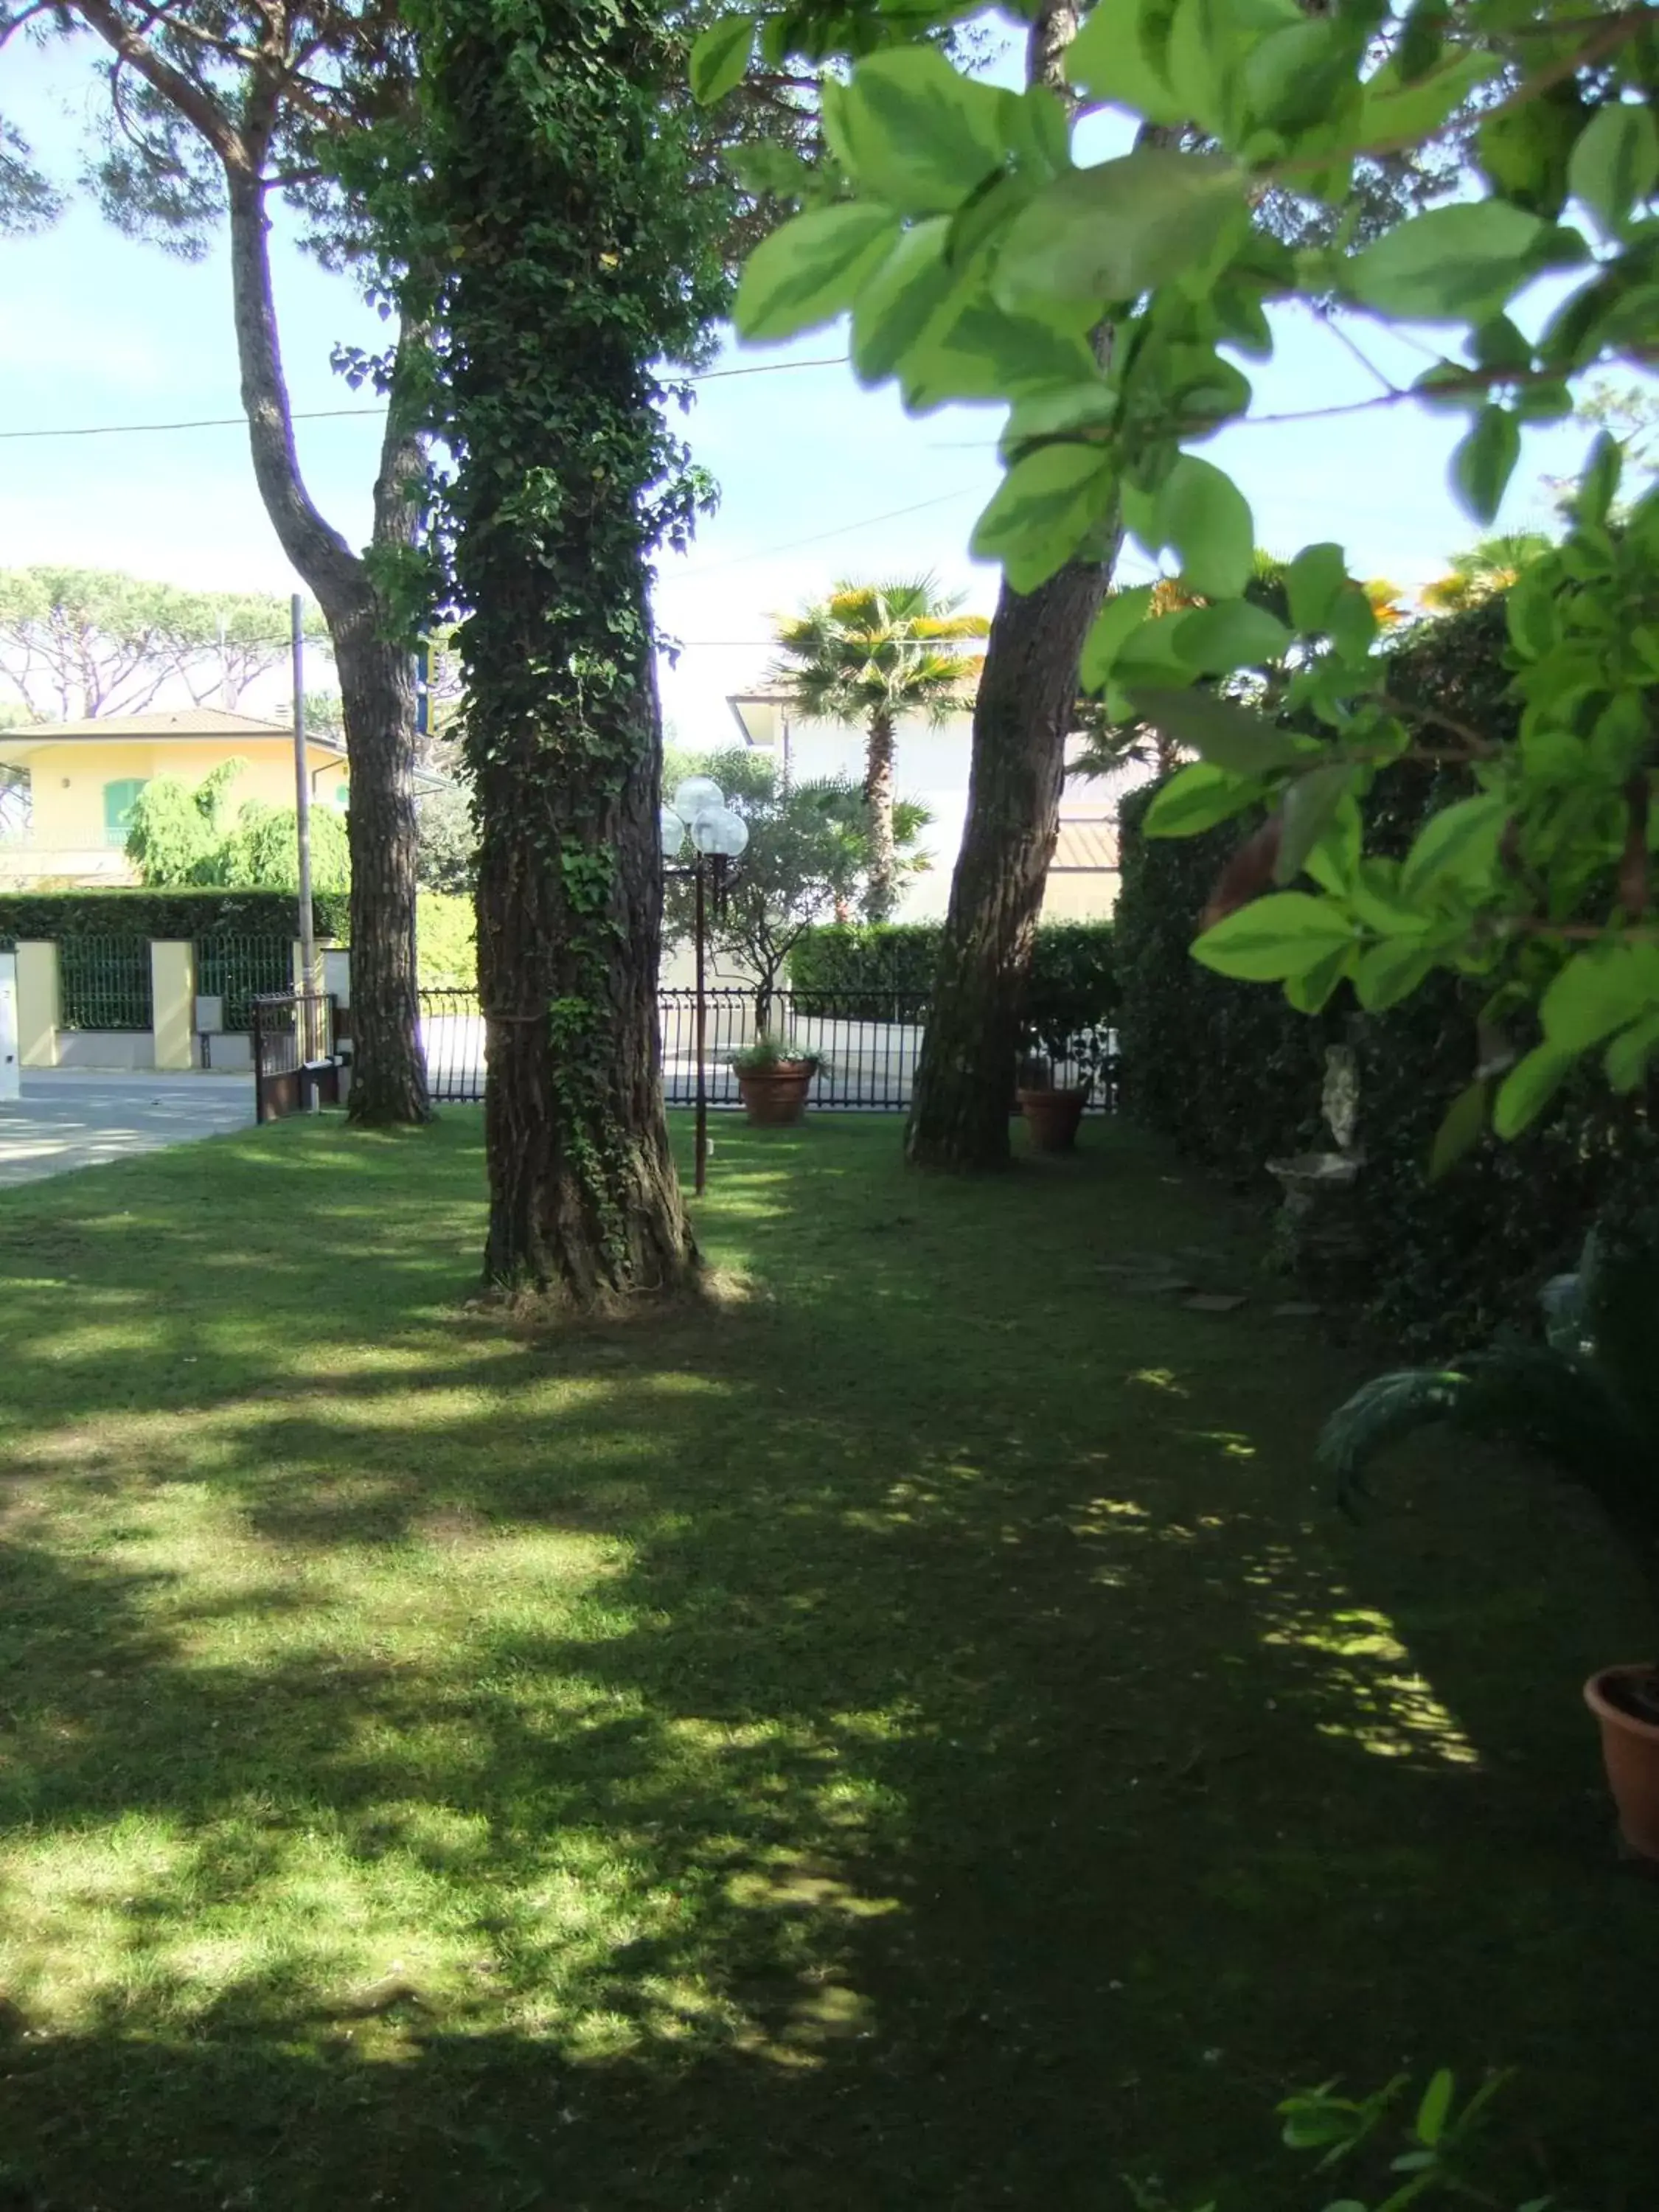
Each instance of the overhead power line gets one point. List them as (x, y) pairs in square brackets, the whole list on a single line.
[(330, 413)]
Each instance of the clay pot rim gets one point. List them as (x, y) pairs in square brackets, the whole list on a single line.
[(1612, 1715), (785, 1070)]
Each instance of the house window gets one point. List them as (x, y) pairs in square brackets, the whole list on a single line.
[(343, 794), (117, 807)]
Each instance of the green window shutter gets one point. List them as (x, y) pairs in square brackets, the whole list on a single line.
[(117, 807)]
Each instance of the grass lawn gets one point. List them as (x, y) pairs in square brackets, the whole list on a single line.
[(913, 1739)]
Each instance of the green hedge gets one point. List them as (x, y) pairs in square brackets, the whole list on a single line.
[(1234, 1075), (1073, 984), (179, 914)]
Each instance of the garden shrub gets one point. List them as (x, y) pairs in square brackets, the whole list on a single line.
[(445, 941), (1233, 1073), (185, 914), (1073, 984)]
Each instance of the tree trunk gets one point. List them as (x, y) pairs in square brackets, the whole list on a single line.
[(377, 692), (1027, 701), (584, 1204), (1026, 706), (878, 803)]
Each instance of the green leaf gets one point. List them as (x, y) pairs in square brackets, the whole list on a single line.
[(1112, 59), (1391, 111), (1599, 992), (1123, 613), (1334, 861), (980, 353), (1457, 845), (1484, 460), (1461, 1130), (899, 298), (1528, 1088), (1311, 992), (1628, 1055), (1150, 655), (1598, 484), (1352, 623), (1197, 59), (1314, 583), (812, 270), (1091, 405), (1291, 76), (1043, 510), (913, 132), (1197, 798), (1229, 736), (1120, 229), (1231, 634), (1310, 807), (1207, 520), (1286, 933), (1431, 2113), (1525, 150), (1456, 264), (1616, 164), (720, 56)]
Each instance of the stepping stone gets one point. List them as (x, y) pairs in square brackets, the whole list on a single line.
[(1297, 1309), (1215, 1302)]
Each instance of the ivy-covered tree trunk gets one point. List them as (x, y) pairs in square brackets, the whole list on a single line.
[(878, 806), (558, 182), (1027, 702), (1026, 705)]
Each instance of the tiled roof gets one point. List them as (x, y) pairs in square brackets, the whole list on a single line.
[(1086, 844), (180, 722)]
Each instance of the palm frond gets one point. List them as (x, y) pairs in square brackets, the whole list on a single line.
[(1379, 1413)]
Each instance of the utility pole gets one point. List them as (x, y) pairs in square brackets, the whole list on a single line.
[(302, 806)]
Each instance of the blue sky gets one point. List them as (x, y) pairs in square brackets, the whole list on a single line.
[(819, 478)]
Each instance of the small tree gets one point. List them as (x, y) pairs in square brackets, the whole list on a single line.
[(808, 858), (178, 836), (872, 654)]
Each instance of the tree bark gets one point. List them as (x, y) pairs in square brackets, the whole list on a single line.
[(1026, 707), (584, 1204), (878, 805), (377, 686)]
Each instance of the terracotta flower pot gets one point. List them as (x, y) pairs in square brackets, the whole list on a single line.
[(1631, 1748), (1052, 1117), (776, 1096)]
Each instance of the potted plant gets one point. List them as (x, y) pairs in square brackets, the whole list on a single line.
[(1052, 1110), (1070, 999), (1588, 1400), (774, 1076)]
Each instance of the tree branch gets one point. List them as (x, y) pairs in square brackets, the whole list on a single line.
[(192, 100)]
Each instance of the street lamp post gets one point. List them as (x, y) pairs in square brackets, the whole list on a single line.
[(700, 815)]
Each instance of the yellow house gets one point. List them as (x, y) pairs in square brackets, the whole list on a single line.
[(67, 788)]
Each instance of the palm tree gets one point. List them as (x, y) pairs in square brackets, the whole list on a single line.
[(869, 655), (1489, 566)]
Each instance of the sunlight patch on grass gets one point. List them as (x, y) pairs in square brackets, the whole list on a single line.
[(1394, 1713)]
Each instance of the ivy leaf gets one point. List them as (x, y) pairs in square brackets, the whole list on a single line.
[(1197, 798), (1616, 164), (1529, 1086), (1112, 59), (1310, 807), (1461, 1129), (1123, 613), (1456, 264), (1484, 460), (899, 298), (914, 133), (720, 57), (1231, 634), (1286, 933), (1043, 510), (1120, 229), (1457, 845), (1226, 735), (1314, 583), (812, 270), (1207, 520)]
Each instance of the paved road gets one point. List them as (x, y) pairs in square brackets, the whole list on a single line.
[(67, 1118)]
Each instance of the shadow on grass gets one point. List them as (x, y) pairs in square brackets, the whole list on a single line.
[(915, 1741)]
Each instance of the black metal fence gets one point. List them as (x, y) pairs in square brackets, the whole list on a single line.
[(104, 983), (236, 969), (294, 1056), (866, 1042)]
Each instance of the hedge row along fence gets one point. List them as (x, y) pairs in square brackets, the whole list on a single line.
[(1233, 1074), (1073, 984), (179, 915)]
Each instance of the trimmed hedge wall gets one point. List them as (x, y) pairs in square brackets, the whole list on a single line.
[(1233, 1073), (1073, 984), (180, 914)]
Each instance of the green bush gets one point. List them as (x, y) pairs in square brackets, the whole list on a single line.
[(171, 913), (445, 941), (1073, 985), (1233, 1073)]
